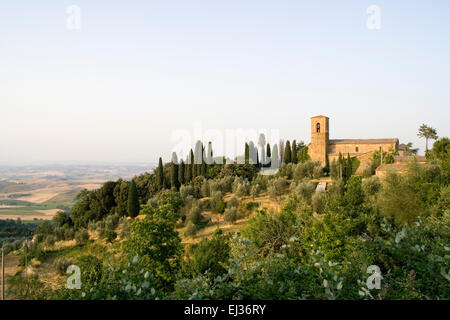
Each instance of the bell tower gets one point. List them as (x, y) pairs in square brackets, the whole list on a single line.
[(319, 138)]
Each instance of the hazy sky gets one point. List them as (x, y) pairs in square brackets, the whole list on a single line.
[(116, 89)]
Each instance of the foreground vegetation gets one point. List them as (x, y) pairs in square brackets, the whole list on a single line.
[(130, 238)]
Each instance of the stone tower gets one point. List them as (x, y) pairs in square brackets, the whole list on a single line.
[(319, 138)]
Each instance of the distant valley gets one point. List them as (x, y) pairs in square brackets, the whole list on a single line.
[(38, 192)]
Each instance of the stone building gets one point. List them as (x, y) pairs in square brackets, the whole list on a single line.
[(322, 146)]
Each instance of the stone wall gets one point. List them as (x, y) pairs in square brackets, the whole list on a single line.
[(345, 148)]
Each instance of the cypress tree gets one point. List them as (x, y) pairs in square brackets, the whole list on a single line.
[(192, 166), (160, 175), (188, 173), (268, 155), (209, 154), (287, 152), (246, 154), (204, 167), (341, 166), (133, 200), (349, 165), (198, 159), (334, 170), (174, 176), (188, 168), (326, 169), (294, 152), (181, 173), (274, 161)]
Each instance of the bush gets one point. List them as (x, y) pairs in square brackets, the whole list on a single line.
[(205, 189), (124, 228), (353, 195), (368, 171), (217, 203), (268, 231), (25, 287), (399, 199), (91, 269), (300, 172), (250, 206), (371, 186), (287, 171), (156, 239), (191, 229), (194, 215), (208, 256), (230, 215), (443, 202), (225, 184), (170, 198), (243, 189), (309, 169), (317, 172), (305, 191), (255, 191), (61, 264), (197, 183), (185, 191), (82, 236), (233, 202), (153, 201), (318, 202), (69, 234), (110, 236), (262, 181), (277, 187), (111, 221), (50, 240), (213, 186)]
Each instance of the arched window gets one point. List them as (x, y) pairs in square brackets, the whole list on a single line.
[(357, 149), (318, 127)]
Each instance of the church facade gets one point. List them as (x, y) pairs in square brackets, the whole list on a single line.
[(322, 147)]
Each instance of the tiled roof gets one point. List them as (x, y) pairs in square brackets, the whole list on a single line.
[(362, 141)]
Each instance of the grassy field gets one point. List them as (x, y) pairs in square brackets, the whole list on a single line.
[(37, 192), (40, 203)]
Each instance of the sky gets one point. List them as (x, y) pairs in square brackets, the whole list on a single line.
[(123, 84)]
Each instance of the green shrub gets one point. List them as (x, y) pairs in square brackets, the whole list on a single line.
[(217, 203), (91, 269), (61, 264), (305, 191), (318, 202), (50, 240), (194, 215), (82, 236), (230, 215), (255, 191), (277, 187), (233, 202), (371, 186), (191, 229), (208, 256), (110, 236)]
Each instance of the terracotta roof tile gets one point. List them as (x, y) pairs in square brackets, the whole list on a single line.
[(362, 141)]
